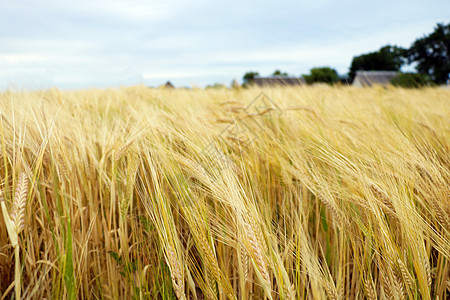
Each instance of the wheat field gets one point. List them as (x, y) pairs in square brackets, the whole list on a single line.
[(282, 193)]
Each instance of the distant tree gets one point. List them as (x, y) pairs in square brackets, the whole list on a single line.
[(432, 54), (388, 58), (216, 86), (411, 80), (279, 73), (249, 77), (323, 74)]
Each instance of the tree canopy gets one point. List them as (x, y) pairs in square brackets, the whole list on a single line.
[(388, 58), (322, 74), (279, 73), (249, 77), (432, 54), (411, 80)]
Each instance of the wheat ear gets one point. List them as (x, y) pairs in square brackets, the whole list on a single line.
[(388, 206), (122, 151), (441, 214), (176, 273), (244, 258), (428, 270), (129, 187), (64, 168), (399, 286), (333, 209), (330, 289), (15, 223), (405, 274), (20, 199), (257, 253), (369, 289), (387, 287)]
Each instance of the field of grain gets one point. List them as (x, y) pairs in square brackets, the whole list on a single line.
[(293, 193)]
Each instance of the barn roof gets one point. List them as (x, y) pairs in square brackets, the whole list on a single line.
[(278, 80), (169, 85), (369, 78)]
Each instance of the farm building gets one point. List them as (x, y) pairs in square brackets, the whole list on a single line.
[(278, 80), (369, 78), (168, 85)]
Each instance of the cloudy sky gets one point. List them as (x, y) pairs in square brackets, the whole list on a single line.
[(79, 44)]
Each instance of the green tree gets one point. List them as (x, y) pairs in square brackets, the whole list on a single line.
[(322, 74), (249, 77), (411, 80), (432, 54), (216, 86), (279, 73), (388, 58)]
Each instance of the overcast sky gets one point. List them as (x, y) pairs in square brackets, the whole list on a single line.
[(79, 44)]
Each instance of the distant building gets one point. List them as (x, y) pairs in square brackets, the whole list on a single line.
[(370, 78), (278, 81), (168, 85)]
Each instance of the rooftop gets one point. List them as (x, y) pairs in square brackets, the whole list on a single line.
[(369, 78)]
